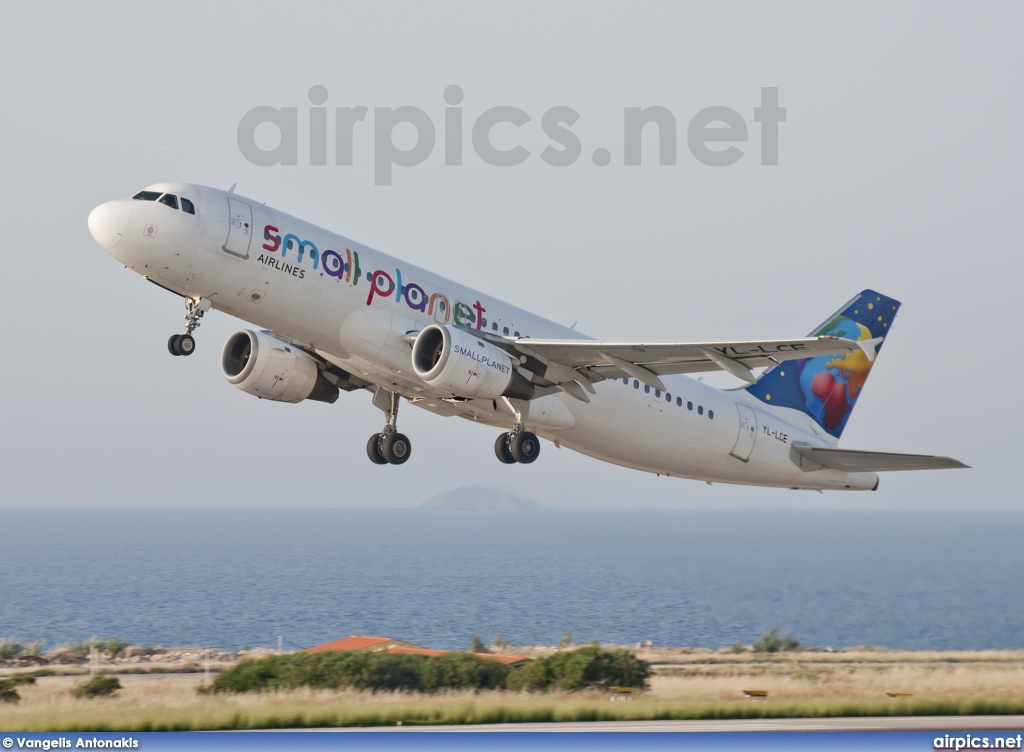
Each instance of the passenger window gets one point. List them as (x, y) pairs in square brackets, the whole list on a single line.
[(187, 206), (505, 331), (517, 334), (657, 393), (679, 401), (647, 389), (146, 196), (689, 405), (668, 397), (626, 382), (494, 326), (636, 384), (711, 414), (700, 409), (168, 200)]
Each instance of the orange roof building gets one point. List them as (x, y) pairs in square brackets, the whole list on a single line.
[(358, 642), (400, 647)]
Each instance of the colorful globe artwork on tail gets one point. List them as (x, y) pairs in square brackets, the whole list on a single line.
[(828, 387)]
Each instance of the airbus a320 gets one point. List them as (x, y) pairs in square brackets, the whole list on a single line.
[(329, 315)]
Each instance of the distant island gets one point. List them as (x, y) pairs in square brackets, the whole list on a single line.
[(478, 497)]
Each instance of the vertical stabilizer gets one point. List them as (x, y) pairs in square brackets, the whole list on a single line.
[(827, 388)]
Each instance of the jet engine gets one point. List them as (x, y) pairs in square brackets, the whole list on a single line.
[(457, 362), (269, 368)]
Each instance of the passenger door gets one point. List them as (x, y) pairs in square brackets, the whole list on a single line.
[(747, 433), (239, 228)]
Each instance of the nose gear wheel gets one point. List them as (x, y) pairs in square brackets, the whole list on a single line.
[(185, 344)]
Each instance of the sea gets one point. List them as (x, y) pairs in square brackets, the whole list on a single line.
[(236, 578)]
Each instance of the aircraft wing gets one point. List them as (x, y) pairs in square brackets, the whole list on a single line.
[(854, 460), (646, 361)]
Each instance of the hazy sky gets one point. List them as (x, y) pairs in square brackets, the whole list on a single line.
[(899, 169)]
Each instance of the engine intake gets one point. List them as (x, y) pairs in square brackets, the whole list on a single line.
[(266, 367), (450, 359)]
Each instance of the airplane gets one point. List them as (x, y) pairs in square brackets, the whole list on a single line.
[(329, 314)]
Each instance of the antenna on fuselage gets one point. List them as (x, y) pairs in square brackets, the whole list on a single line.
[(232, 188)]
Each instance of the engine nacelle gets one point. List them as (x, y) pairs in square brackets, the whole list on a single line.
[(267, 367), (457, 362)]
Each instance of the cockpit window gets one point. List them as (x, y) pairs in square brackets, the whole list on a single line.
[(187, 206), (169, 200), (146, 196)]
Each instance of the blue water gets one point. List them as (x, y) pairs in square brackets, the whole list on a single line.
[(230, 578)]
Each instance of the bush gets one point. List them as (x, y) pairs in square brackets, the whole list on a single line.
[(8, 693), (11, 648), (100, 685), (363, 671), (112, 646), (774, 641), (581, 669), (578, 669), (476, 645)]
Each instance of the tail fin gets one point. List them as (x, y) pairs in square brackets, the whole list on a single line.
[(827, 388)]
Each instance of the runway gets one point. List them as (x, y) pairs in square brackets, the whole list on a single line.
[(885, 723)]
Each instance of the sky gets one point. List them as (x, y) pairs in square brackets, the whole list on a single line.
[(899, 169)]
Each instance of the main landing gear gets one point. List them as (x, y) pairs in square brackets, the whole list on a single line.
[(185, 344), (518, 445), (523, 447), (388, 447)]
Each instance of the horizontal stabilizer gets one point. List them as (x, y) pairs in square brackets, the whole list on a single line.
[(856, 461)]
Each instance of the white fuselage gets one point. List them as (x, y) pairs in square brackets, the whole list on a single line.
[(354, 306)]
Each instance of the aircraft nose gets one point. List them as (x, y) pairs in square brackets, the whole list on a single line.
[(108, 222)]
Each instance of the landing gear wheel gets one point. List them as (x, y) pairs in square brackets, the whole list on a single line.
[(373, 450), (502, 451), (396, 448), (525, 447), (172, 344), (186, 344)]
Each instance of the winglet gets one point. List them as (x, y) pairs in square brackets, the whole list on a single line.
[(870, 346)]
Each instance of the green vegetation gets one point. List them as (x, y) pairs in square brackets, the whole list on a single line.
[(100, 685), (112, 646), (774, 641), (584, 668), (10, 648), (8, 693), (579, 669), (566, 641), (365, 671), (476, 645)]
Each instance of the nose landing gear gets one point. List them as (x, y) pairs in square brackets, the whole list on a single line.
[(185, 344), (388, 447)]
